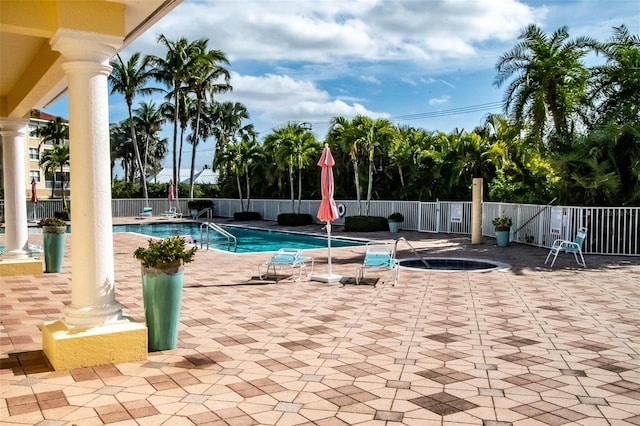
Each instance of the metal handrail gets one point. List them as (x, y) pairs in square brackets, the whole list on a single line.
[(534, 216), (229, 236), (207, 210), (395, 248)]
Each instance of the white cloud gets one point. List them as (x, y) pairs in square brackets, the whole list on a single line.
[(344, 31), (273, 100), (439, 101)]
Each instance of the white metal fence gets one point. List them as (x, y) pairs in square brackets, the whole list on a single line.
[(612, 230)]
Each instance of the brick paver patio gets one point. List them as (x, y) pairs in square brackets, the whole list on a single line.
[(528, 346)]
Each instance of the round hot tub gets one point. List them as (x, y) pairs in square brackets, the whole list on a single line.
[(454, 264)]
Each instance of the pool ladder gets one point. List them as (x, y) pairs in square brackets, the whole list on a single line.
[(207, 226), (395, 250)]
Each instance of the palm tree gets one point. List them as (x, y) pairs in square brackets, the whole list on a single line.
[(240, 157), (550, 78), (341, 133), (372, 135), (131, 79), (174, 70), (203, 82), (617, 83), (54, 132), (295, 147), (149, 119), (228, 118), (51, 159)]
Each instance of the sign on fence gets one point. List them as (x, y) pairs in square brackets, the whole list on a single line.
[(456, 212), (556, 220)]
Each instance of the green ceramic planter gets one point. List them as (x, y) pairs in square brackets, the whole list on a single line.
[(162, 293), (53, 246), (394, 227), (502, 238)]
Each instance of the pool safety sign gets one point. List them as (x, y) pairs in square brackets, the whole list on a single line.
[(456, 212), (556, 220)]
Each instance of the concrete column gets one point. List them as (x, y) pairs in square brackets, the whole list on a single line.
[(13, 132), (87, 67), (476, 211)]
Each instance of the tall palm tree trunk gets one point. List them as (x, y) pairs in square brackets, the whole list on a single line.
[(136, 150)]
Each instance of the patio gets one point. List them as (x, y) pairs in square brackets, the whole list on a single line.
[(523, 347)]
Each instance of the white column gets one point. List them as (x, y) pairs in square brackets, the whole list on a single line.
[(87, 67), (13, 133)]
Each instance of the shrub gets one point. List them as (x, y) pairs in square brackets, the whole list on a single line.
[(365, 224), (294, 219), (200, 204), (502, 223), (62, 214), (165, 252), (51, 221), (396, 217), (243, 216)]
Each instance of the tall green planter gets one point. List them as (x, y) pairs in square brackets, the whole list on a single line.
[(53, 244), (162, 294)]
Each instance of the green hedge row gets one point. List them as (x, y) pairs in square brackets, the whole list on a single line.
[(294, 219), (200, 204), (365, 224), (246, 216)]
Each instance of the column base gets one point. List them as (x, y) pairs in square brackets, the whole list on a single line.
[(113, 343), (27, 266)]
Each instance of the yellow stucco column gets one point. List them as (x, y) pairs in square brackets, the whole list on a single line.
[(476, 211)]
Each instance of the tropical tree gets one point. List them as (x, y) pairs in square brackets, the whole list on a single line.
[(547, 77), (207, 77), (56, 158), (174, 71), (241, 157), (121, 148), (341, 133), (373, 136), (295, 148), (54, 132), (149, 120), (228, 126), (130, 79), (616, 85)]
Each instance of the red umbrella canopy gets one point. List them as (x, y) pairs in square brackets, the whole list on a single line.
[(34, 191), (171, 191), (328, 210)]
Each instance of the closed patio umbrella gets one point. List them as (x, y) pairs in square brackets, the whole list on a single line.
[(171, 195), (34, 197), (328, 210)]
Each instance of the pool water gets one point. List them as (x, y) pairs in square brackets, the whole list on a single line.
[(249, 240)]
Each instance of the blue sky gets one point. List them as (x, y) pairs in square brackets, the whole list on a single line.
[(421, 62)]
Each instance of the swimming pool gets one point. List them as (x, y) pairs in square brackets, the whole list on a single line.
[(249, 240)]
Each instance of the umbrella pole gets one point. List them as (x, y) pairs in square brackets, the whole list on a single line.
[(329, 245)]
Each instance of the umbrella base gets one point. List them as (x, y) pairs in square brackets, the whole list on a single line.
[(326, 278)]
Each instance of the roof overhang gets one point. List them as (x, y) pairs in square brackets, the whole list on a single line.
[(31, 74)]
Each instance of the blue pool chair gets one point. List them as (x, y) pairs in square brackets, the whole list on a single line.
[(292, 258), (567, 246), (379, 256)]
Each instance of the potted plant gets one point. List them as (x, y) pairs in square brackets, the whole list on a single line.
[(395, 219), (53, 236), (502, 226), (162, 264)]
